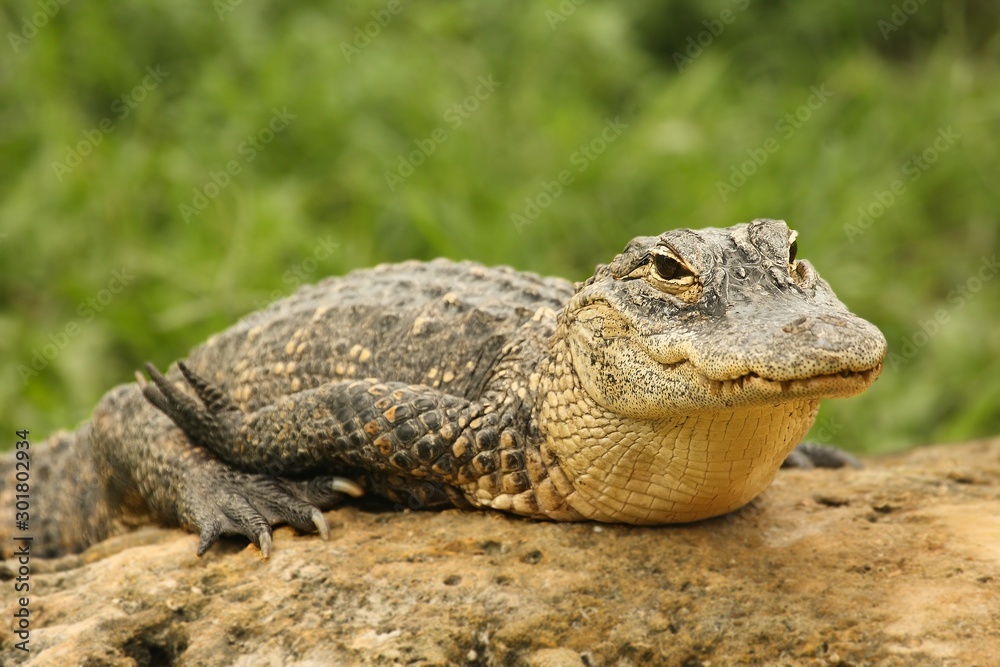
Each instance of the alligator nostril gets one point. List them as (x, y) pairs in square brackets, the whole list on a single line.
[(796, 325)]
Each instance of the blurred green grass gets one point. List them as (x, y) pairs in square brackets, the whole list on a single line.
[(315, 201)]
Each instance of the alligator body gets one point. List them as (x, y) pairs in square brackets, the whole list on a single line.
[(668, 387)]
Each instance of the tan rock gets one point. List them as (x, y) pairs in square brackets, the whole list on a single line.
[(896, 564)]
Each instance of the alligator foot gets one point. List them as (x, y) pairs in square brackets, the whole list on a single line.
[(814, 455)]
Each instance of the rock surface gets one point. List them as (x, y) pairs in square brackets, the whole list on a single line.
[(896, 564)]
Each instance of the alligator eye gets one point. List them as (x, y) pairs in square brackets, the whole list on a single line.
[(793, 249), (670, 274), (669, 268)]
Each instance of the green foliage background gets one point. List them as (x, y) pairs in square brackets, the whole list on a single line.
[(896, 80)]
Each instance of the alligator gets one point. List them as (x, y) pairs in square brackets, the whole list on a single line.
[(668, 387)]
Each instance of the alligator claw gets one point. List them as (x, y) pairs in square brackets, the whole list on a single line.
[(263, 541), (322, 527), (209, 535), (210, 420)]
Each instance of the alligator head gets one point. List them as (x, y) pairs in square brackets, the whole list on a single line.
[(703, 355)]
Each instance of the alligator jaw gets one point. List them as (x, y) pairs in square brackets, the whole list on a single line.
[(833, 385)]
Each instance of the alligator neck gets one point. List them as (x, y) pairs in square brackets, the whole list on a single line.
[(608, 467)]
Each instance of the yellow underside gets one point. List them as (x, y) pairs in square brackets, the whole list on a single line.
[(670, 470)]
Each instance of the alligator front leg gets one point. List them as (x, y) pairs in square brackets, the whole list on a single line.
[(361, 429)]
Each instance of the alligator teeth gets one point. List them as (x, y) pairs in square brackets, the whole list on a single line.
[(729, 386), (733, 385)]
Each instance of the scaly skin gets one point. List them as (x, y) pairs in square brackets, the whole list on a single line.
[(668, 387)]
